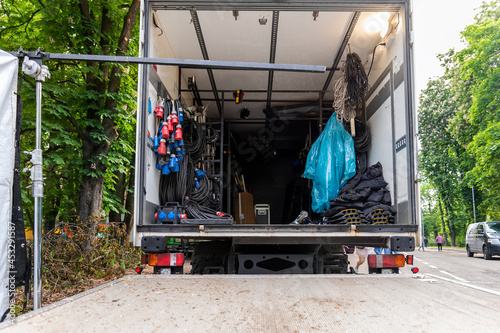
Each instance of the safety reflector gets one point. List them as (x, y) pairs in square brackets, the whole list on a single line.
[(386, 260), (166, 259), (409, 259)]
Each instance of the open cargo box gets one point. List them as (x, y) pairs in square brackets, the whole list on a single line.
[(296, 104)]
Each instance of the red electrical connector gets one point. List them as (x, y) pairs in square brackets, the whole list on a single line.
[(162, 149), (164, 131), (178, 132), (175, 119), (170, 125), (159, 109)]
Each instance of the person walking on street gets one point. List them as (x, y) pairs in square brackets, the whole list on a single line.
[(439, 242), (362, 252)]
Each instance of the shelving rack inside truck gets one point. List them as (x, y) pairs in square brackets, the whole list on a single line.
[(331, 153)]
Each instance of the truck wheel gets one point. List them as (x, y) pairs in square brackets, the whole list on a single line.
[(486, 253), (469, 253)]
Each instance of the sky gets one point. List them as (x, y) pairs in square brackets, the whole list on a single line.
[(437, 25)]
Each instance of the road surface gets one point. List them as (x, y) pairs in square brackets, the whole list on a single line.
[(445, 298), (454, 265)]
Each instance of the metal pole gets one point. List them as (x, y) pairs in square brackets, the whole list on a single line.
[(473, 203), (39, 72), (38, 194)]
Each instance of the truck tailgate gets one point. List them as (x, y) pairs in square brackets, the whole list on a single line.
[(283, 303)]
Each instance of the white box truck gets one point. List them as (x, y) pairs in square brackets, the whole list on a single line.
[(259, 125)]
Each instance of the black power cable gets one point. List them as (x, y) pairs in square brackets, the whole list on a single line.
[(173, 187), (373, 58), (362, 140), (194, 139), (197, 211), (356, 79)]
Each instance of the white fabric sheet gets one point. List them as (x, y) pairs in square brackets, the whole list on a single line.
[(8, 87)]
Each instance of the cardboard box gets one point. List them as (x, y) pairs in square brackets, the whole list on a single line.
[(246, 214)]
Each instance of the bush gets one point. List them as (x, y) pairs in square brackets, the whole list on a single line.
[(79, 257)]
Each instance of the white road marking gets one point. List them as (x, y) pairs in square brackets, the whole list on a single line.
[(489, 291), (429, 280), (432, 266), (454, 276), (423, 262), (417, 259)]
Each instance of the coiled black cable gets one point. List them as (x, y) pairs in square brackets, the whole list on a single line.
[(362, 140), (173, 187), (197, 211), (356, 78), (200, 194), (194, 139), (214, 198)]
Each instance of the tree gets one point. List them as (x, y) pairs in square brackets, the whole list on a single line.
[(460, 126), (479, 63), (87, 106), (440, 153)]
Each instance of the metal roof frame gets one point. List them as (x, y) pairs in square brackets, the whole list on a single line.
[(292, 5), (297, 5)]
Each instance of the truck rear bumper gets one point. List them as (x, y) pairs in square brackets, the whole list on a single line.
[(363, 235)]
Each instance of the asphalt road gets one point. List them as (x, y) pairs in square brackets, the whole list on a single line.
[(454, 266)]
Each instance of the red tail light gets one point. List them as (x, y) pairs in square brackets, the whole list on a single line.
[(179, 259), (138, 270), (166, 259), (409, 259), (415, 270), (386, 260)]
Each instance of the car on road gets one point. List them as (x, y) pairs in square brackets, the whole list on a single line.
[(483, 237)]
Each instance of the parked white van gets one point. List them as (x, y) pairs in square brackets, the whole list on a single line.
[(483, 237)]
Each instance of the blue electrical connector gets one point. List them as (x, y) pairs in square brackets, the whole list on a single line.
[(200, 174), (156, 144), (165, 170)]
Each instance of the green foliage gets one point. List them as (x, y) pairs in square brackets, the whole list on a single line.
[(460, 128), (479, 64), (88, 108), (486, 172)]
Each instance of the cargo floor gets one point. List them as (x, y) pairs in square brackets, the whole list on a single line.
[(283, 303)]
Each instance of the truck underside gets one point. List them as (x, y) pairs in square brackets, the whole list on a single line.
[(226, 180)]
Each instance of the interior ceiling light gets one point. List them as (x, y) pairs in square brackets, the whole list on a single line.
[(236, 13), (378, 22), (262, 20), (238, 96), (315, 14)]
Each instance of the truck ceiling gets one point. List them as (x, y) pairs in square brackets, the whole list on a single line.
[(295, 32)]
